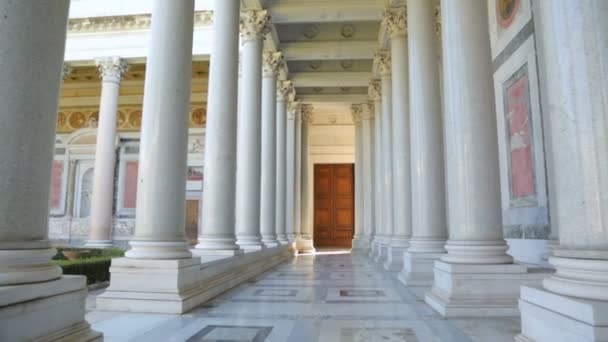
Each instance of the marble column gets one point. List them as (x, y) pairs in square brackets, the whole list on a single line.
[(161, 193), (32, 44), (395, 22), (367, 170), (292, 112), (284, 95), (254, 26), (270, 63), (476, 277), (217, 237), (375, 94), (298, 176), (305, 243), (111, 70), (573, 61), (429, 229), (383, 60), (359, 245)]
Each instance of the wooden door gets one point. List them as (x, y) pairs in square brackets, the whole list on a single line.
[(334, 196), (192, 221)]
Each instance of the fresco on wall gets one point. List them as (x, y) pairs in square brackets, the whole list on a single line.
[(86, 192), (506, 11), (56, 185), (519, 134), (130, 197)]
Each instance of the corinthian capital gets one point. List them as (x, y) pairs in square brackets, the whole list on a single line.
[(356, 111), (293, 109), (271, 60), (395, 21), (285, 90), (111, 69), (254, 24), (382, 59), (306, 111), (374, 91)]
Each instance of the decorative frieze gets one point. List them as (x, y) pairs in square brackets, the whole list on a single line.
[(126, 22), (382, 60), (394, 21), (271, 61), (254, 24), (111, 69)]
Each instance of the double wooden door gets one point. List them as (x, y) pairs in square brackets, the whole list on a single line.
[(334, 197)]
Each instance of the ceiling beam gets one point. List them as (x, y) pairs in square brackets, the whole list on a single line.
[(330, 98), (326, 11), (331, 79), (302, 51)]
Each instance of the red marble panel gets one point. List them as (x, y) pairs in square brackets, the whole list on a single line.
[(520, 136), (56, 184), (130, 193)]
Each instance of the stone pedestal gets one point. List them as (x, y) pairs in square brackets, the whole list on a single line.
[(578, 319), (418, 268), (394, 256), (469, 290)]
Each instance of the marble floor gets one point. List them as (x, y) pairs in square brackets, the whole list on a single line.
[(328, 297)]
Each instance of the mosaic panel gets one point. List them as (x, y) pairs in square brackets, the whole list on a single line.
[(234, 333)]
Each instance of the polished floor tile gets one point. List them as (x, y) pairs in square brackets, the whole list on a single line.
[(316, 298)]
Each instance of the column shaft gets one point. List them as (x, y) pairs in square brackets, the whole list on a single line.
[(298, 178), (31, 55), (306, 242), (290, 172), (218, 221), (429, 230), (472, 172), (358, 240), (281, 127), (247, 211), (111, 70), (161, 193), (368, 175)]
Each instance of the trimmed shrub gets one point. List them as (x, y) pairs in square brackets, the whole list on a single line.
[(94, 265)]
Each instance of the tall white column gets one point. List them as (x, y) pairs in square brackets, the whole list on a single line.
[(254, 26), (284, 94), (367, 132), (111, 70), (292, 112), (359, 245), (375, 94), (305, 243), (161, 194), (383, 60), (476, 277), (270, 64), (573, 60), (395, 22), (32, 43), (429, 229), (298, 176), (217, 236)]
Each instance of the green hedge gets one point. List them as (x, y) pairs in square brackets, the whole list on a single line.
[(94, 265)]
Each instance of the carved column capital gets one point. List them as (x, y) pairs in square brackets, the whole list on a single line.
[(284, 91), (254, 25), (394, 21), (66, 71), (306, 111), (293, 110), (367, 112), (111, 69), (271, 61), (382, 60), (374, 90)]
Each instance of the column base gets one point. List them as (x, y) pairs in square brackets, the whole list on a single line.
[(282, 239), (360, 245), (373, 249), (47, 311), (155, 250), (207, 255), (305, 245), (578, 319), (418, 268), (469, 290), (177, 286), (99, 244), (394, 260), (382, 252)]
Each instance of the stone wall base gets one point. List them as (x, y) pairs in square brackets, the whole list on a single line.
[(47, 311), (418, 268), (475, 290), (550, 317), (177, 286)]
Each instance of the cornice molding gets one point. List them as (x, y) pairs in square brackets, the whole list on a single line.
[(127, 22), (254, 25)]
